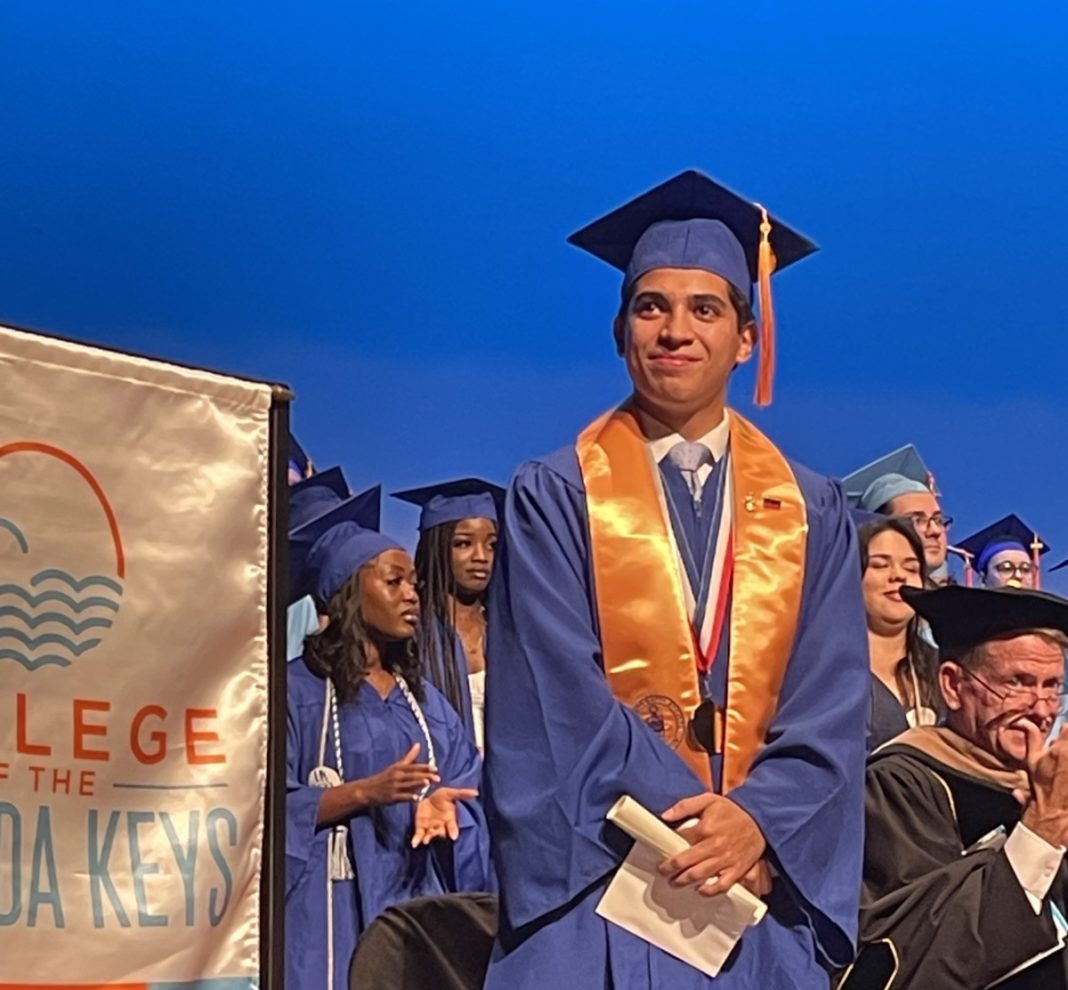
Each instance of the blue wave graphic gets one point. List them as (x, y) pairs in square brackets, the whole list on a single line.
[(58, 596), (48, 639), (20, 538), (53, 574), (33, 621), (48, 660), (55, 606)]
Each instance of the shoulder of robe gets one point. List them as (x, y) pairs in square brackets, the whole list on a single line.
[(303, 688), (894, 771), (820, 492), (559, 469)]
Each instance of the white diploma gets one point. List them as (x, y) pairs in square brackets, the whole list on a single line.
[(699, 930)]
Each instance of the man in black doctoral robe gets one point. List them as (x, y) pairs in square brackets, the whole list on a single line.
[(964, 875)]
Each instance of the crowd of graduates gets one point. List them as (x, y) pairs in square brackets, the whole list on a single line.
[(400, 783)]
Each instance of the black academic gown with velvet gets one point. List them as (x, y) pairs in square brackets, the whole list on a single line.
[(957, 921)]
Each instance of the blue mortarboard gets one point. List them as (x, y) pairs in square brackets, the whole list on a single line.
[(297, 458), (315, 495), (451, 501), (363, 509), (1057, 567), (339, 553), (1010, 533), (898, 473), (691, 221), (964, 617)]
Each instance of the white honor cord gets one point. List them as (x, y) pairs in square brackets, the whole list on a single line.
[(338, 866), (417, 711)]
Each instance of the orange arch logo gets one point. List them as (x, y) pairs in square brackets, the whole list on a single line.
[(56, 617)]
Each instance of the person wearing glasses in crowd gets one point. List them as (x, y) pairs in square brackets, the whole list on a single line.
[(1006, 554), (672, 604), (899, 484), (967, 823), (904, 690)]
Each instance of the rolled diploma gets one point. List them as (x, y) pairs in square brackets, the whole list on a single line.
[(644, 827)]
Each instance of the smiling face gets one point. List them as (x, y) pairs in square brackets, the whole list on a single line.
[(680, 338), (892, 564), (1018, 677), (389, 602), (474, 543)]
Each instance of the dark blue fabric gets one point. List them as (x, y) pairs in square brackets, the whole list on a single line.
[(374, 733), (561, 750)]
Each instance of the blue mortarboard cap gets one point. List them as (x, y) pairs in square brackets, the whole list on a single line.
[(451, 501), (363, 509), (1062, 564), (1010, 533), (964, 617), (689, 221), (339, 553), (297, 458), (315, 495), (898, 473)]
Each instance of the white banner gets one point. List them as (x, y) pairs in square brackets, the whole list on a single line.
[(133, 669)]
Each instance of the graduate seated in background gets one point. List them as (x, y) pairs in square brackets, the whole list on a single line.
[(899, 484), (964, 873), (454, 561), (676, 616), (1006, 554), (381, 775), (904, 688)]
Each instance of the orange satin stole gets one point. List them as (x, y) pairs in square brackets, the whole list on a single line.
[(646, 635)]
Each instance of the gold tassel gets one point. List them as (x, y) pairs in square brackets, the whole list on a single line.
[(766, 263)]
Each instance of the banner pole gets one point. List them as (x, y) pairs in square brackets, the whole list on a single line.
[(272, 877)]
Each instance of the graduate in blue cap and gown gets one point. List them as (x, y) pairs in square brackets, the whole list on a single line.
[(676, 615), (1006, 554), (381, 777), (900, 484), (454, 561), (315, 505)]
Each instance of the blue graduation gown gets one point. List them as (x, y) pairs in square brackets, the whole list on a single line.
[(435, 671), (374, 734), (560, 750)]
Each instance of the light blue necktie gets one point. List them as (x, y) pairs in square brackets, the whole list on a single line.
[(688, 458)]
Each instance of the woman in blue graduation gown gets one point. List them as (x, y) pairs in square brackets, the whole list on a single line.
[(454, 561), (381, 775)]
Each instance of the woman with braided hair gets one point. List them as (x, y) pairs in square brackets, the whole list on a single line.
[(381, 775), (454, 561)]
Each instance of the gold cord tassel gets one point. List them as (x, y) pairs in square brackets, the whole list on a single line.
[(766, 263)]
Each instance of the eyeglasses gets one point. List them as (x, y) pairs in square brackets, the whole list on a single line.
[(1024, 696), (1008, 569), (922, 522)]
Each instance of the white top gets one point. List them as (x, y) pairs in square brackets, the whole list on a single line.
[(477, 684)]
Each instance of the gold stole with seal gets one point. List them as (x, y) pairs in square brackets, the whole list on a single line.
[(646, 637)]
